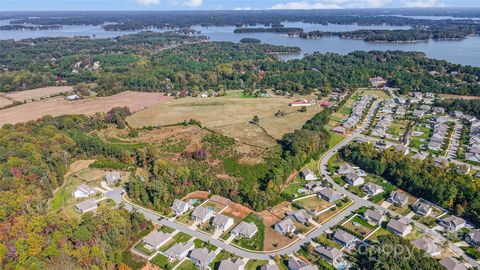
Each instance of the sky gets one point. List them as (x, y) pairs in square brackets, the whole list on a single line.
[(35, 5)]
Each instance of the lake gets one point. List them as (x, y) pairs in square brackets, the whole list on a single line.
[(466, 51)]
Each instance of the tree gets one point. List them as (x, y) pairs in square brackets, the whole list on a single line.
[(255, 120)]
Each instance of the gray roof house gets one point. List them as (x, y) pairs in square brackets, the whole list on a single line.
[(451, 263), (202, 257), (86, 206), (398, 198), (314, 186), (345, 169), (179, 251), (285, 226), (308, 175), (236, 264), (330, 254), (271, 265), (372, 189), (83, 191), (295, 263), (222, 222), (399, 227), (155, 239), (427, 245), (244, 229), (112, 177), (301, 216), (344, 238), (202, 214), (473, 238), (179, 207), (354, 180), (422, 208), (330, 195), (452, 223), (374, 217)]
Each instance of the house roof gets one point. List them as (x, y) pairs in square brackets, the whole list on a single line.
[(427, 245), (373, 214), (180, 205), (307, 171), (221, 220), (245, 228), (421, 206), (372, 187), (87, 204), (155, 238), (85, 189), (112, 176), (329, 193), (179, 248), (269, 266), (301, 215), (285, 225), (231, 265), (397, 196), (296, 263), (398, 225), (343, 236), (453, 220), (201, 212), (329, 252), (475, 236), (203, 255), (451, 263)]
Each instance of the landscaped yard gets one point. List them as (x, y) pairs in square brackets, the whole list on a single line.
[(313, 203), (186, 265), (341, 205), (472, 252), (200, 244), (178, 238), (166, 229), (254, 265), (162, 262), (379, 232), (359, 226), (223, 255), (256, 243), (324, 240), (217, 207), (140, 247), (185, 218)]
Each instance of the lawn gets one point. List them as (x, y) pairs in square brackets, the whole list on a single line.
[(185, 218), (291, 191), (359, 226), (166, 229), (472, 252), (324, 240), (223, 255), (341, 205), (379, 93), (254, 264), (162, 262), (140, 247), (313, 204), (186, 265), (256, 243), (200, 244), (380, 232), (178, 238)]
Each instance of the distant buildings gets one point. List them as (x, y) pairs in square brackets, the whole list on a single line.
[(302, 103)]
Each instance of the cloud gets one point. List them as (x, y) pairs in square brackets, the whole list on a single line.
[(332, 4), (422, 4), (193, 3), (148, 2)]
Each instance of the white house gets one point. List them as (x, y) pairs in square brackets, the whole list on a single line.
[(83, 191), (308, 175), (180, 207), (285, 226), (354, 180), (202, 214), (244, 229), (222, 222)]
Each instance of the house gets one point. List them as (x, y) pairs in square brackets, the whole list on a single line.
[(438, 110), (83, 191), (271, 265), (399, 227), (451, 263), (112, 177), (308, 175), (301, 103), (285, 226), (344, 238), (202, 257), (422, 208), (330, 254), (354, 180), (339, 129), (345, 169), (86, 206), (329, 195), (427, 245), (452, 223), (180, 207), (301, 216), (155, 239), (222, 222), (400, 111), (235, 264), (179, 251), (295, 263), (314, 186), (425, 108), (381, 145), (72, 97), (378, 82), (244, 229), (473, 238), (398, 198), (374, 217), (418, 113), (458, 114), (202, 214), (372, 189)]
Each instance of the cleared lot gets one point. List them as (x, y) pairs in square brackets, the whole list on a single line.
[(37, 93)]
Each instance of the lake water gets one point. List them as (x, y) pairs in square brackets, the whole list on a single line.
[(466, 52)]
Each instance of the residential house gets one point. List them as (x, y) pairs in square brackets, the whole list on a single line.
[(308, 175), (112, 177), (473, 238), (419, 113), (202, 214), (440, 162), (427, 245), (422, 208), (425, 108), (83, 191), (381, 145), (180, 207), (372, 189), (398, 198), (344, 238), (329, 195), (463, 169), (244, 229), (236, 264), (271, 265), (330, 254), (399, 227), (222, 222), (345, 169), (295, 263), (452, 223), (354, 180), (202, 257), (301, 216), (86, 206), (155, 239), (400, 111), (438, 110), (314, 186), (339, 129), (374, 217), (451, 263), (179, 251), (285, 226)]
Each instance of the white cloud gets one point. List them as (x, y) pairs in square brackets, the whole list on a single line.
[(422, 4), (332, 4), (193, 3), (148, 2)]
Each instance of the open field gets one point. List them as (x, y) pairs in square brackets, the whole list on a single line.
[(313, 204), (59, 106), (230, 115), (449, 96), (37, 93)]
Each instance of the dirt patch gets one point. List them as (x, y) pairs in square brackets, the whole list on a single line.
[(78, 165), (277, 213), (136, 101), (220, 200), (237, 211), (37, 93), (4, 102), (196, 195), (274, 240)]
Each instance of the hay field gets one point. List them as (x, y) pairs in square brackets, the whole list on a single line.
[(229, 115), (59, 106), (37, 93)]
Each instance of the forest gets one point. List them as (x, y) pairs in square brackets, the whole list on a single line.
[(445, 187), (467, 106)]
